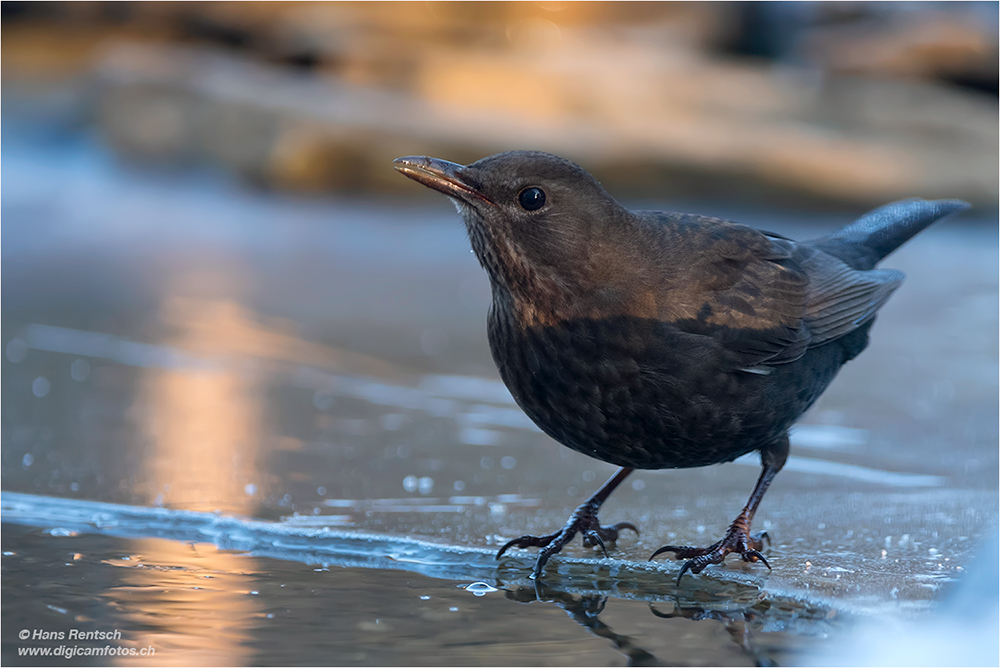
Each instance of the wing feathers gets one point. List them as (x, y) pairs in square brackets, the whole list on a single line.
[(767, 299)]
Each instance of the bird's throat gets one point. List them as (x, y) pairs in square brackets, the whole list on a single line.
[(525, 293)]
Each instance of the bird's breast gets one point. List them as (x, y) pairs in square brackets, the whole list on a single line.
[(630, 391)]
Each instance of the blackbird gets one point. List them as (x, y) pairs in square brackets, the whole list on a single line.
[(656, 340)]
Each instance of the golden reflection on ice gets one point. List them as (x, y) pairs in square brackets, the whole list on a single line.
[(190, 602), (208, 421)]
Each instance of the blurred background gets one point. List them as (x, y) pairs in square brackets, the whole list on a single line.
[(838, 102), (217, 295)]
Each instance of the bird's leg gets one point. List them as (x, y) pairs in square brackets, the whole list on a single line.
[(737, 538), (583, 521)]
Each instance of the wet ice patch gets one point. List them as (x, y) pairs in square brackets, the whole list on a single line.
[(466, 387), (106, 346), (827, 437), (852, 471), (317, 521), (476, 436)]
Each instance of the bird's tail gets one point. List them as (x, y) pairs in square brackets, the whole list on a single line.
[(864, 243)]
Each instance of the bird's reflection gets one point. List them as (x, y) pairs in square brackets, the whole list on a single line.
[(743, 611), (739, 624), (584, 610)]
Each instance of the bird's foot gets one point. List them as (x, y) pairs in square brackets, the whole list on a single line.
[(583, 521), (737, 539)]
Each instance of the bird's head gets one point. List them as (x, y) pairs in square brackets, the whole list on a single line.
[(529, 214)]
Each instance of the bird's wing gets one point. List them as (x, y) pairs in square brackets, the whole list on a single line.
[(760, 315), (738, 286), (763, 298), (806, 296), (840, 298)]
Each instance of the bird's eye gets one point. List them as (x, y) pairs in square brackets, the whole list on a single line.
[(531, 199)]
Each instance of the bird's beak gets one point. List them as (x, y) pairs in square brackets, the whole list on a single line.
[(449, 178)]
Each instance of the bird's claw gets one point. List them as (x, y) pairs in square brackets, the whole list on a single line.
[(527, 541), (583, 521), (595, 537), (738, 540)]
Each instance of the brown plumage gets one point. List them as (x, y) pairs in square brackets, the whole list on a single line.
[(662, 340)]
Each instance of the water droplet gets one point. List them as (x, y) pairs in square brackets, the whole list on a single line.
[(250, 489), (27, 460), (433, 342), (486, 462), (588, 476), (459, 485), (508, 462), (79, 370), (638, 484), (480, 588), (321, 490), (16, 350), (410, 483), (41, 386), (425, 485), (74, 487)]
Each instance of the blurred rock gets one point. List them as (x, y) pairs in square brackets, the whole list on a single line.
[(934, 44), (317, 97), (854, 140)]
